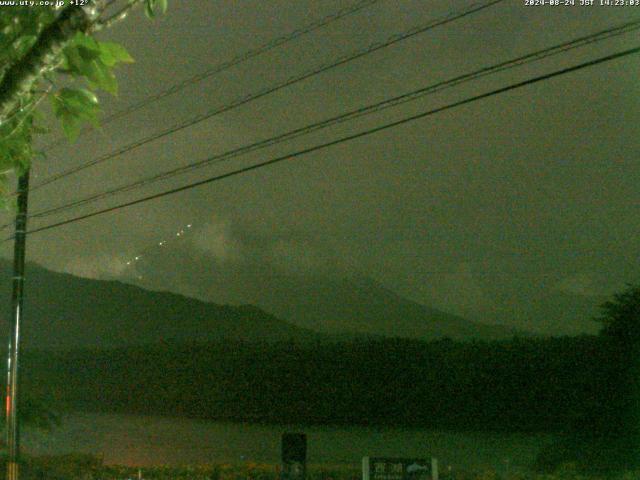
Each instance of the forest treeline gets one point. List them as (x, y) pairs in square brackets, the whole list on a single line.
[(517, 385), (586, 388)]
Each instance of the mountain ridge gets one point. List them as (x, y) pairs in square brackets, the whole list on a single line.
[(368, 307), (83, 313), (88, 313)]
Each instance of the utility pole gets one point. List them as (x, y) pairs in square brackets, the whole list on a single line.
[(13, 431)]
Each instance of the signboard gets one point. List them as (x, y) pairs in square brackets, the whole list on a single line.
[(385, 468)]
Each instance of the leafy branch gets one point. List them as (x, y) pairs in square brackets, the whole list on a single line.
[(39, 43)]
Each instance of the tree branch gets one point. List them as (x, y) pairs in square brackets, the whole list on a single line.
[(32, 107)]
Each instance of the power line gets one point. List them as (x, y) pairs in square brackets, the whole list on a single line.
[(272, 89), (363, 111), (243, 57), (347, 138)]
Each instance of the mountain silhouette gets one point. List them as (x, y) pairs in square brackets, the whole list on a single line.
[(62, 311)]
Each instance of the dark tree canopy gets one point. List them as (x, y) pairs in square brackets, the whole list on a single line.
[(621, 317)]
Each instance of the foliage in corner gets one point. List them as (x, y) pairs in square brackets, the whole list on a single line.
[(52, 52)]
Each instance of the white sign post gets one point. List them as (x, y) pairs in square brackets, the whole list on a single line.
[(386, 468)]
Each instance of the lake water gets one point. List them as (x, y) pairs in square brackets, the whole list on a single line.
[(150, 440)]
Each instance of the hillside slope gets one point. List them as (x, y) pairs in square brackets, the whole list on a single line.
[(63, 311)]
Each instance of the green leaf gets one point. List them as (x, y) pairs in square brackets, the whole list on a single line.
[(112, 53), (86, 41), (73, 60), (15, 147), (101, 76), (81, 50), (149, 8), (94, 60), (153, 7), (80, 95), (82, 103), (70, 126), (88, 54), (72, 107), (93, 68)]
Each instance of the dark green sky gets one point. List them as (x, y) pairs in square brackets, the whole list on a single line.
[(485, 210)]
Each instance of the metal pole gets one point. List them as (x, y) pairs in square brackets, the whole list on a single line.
[(13, 431)]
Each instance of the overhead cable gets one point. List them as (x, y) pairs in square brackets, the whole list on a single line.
[(392, 40), (353, 114), (347, 138)]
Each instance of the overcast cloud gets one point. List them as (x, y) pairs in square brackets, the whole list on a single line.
[(474, 210)]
